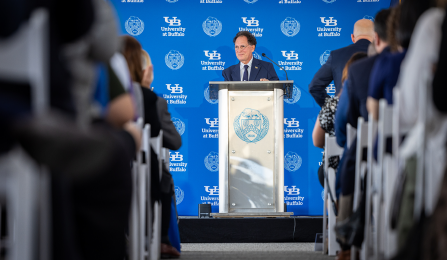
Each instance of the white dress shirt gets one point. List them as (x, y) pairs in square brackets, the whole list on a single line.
[(248, 69)]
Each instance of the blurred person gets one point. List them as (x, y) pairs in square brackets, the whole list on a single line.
[(357, 87), (155, 109), (249, 68), (362, 36), (420, 116)]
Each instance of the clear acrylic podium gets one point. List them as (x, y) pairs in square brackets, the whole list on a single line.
[(251, 147)]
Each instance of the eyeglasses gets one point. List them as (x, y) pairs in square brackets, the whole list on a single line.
[(241, 47)]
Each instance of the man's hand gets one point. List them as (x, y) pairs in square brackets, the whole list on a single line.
[(264, 80)]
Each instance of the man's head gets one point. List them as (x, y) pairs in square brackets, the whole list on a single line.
[(381, 29), (244, 45), (363, 29)]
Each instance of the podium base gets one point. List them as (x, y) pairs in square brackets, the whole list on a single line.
[(253, 215)]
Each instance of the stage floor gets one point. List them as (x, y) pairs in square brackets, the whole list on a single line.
[(249, 230)]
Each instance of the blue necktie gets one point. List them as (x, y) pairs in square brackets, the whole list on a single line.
[(245, 78)]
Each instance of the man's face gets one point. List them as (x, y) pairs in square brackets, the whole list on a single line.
[(244, 51)]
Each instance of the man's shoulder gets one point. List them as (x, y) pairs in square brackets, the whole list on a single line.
[(264, 63), (361, 45), (231, 67)]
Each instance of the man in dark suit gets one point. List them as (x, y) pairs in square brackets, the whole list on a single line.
[(333, 68), (249, 68)]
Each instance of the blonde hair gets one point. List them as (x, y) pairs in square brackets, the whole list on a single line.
[(146, 61)]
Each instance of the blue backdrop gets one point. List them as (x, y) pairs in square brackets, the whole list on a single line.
[(191, 42)]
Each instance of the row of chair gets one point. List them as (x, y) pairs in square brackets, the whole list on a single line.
[(380, 240)]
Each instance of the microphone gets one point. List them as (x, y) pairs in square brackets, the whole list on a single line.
[(287, 89), (263, 55)]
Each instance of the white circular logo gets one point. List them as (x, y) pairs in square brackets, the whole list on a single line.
[(296, 95), (179, 195), (207, 96), (368, 17), (290, 27), (292, 161), (174, 60), (179, 125), (329, 1), (211, 26), (212, 161), (324, 57), (134, 26), (171, 1), (322, 194), (251, 1), (257, 56)]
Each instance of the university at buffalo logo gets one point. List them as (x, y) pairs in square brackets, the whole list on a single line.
[(296, 95), (179, 125), (179, 195), (174, 60), (324, 57), (257, 56), (206, 93), (212, 161), (290, 27), (134, 26), (211, 26), (292, 161), (251, 126)]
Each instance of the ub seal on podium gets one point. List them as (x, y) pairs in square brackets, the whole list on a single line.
[(134, 26), (251, 126), (212, 162), (211, 26), (292, 161), (290, 27), (174, 60)]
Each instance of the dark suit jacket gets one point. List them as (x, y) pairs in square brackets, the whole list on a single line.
[(333, 70), (259, 69), (171, 138), (358, 83)]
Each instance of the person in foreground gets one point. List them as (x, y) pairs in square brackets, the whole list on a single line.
[(249, 68)]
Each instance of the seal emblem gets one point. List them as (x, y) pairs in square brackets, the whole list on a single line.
[(292, 161), (174, 60), (179, 195), (212, 161), (324, 57), (290, 27), (296, 95), (206, 93), (251, 126), (179, 125), (211, 26), (134, 26)]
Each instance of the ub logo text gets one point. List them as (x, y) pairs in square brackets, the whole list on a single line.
[(173, 21), (212, 123), (251, 22), (290, 55), (329, 22), (212, 55), (212, 192)]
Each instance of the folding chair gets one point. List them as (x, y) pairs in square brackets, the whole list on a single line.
[(24, 186), (350, 134), (368, 240), (386, 181), (155, 243), (360, 165), (331, 148)]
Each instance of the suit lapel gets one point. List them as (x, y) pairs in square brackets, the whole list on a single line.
[(236, 73), (255, 67)]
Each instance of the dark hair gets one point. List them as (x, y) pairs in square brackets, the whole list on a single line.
[(132, 52), (355, 57), (410, 12), (380, 24), (393, 24), (250, 38)]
